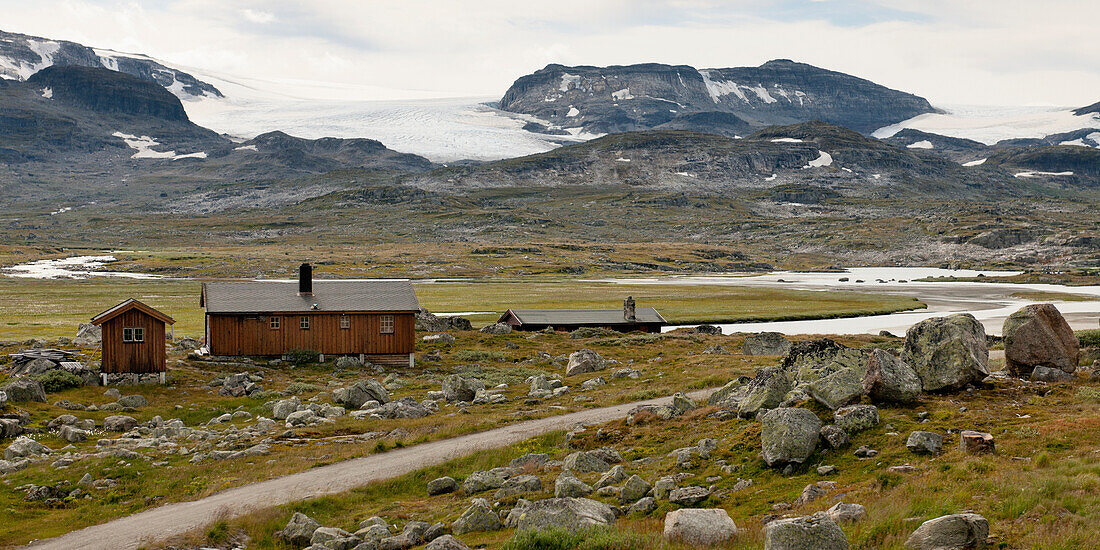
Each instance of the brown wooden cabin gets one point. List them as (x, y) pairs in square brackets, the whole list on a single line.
[(628, 319), (373, 319), (133, 338)]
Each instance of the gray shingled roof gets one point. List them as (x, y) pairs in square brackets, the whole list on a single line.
[(584, 316), (328, 295)]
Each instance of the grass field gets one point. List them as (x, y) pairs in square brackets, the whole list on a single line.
[(52, 308)]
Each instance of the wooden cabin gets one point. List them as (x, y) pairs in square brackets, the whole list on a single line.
[(133, 339), (628, 319), (372, 319)]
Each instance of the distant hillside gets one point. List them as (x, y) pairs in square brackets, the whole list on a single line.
[(730, 101)]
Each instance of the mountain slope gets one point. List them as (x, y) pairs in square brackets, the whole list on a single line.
[(21, 56), (727, 101)]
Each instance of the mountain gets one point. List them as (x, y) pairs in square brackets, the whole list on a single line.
[(731, 101), (22, 56), (959, 150)]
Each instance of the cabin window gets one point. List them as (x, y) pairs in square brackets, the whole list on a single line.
[(133, 334), (274, 323), (303, 322), (387, 324), (345, 321)]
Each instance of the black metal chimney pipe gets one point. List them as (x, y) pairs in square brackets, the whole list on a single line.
[(305, 280)]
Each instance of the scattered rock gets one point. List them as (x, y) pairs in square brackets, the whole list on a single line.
[(530, 460), (856, 418), (73, 434), (1038, 336), (814, 532), (478, 482), (354, 396), (88, 335), (835, 436), (766, 391), (25, 447), (826, 470), (442, 485), (333, 538), (614, 476), (459, 388), (478, 517), (766, 343), (23, 390), (699, 527), (284, 408), (446, 542), (644, 506), (119, 423), (952, 532), (976, 442), (688, 496), (947, 352), (571, 514), (788, 435), (865, 452), (846, 513), (634, 490), (567, 485), (299, 530), (585, 461), (890, 380), (133, 401), (517, 486), (1049, 375), (497, 329), (584, 361), (924, 442)]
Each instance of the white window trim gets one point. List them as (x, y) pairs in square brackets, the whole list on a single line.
[(275, 323), (345, 321), (303, 322), (137, 335), (387, 322)]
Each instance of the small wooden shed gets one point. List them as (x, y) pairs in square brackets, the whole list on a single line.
[(133, 338)]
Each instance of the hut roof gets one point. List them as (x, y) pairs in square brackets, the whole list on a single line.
[(328, 295), (554, 317), (127, 306)]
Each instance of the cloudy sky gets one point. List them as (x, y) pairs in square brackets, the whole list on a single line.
[(993, 52)]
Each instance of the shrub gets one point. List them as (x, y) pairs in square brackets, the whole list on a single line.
[(1089, 338), (596, 538), (1088, 395), (59, 380), (298, 388), (474, 356), (302, 357)]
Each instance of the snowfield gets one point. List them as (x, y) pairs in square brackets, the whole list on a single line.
[(992, 124)]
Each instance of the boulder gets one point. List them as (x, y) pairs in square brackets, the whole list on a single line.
[(1038, 336), (347, 362), (835, 436), (10, 427), (644, 506), (585, 461), (88, 335), (570, 514), (846, 513), (333, 538), (688, 496), (133, 401), (517, 486), (37, 366), (25, 447), (23, 390), (119, 423), (976, 442), (856, 418), (584, 361), (788, 435), (924, 442), (634, 490), (947, 353), (188, 344), (478, 482), (730, 395), (442, 338), (406, 407), (3, 400), (459, 388), (952, 532), (446, 542), (360, 392), (303, 417), (530, 460), (442, 485), (765, 391), (890, 380), (416, 531), (813, 532), (1049, 375), (497, 329), (478, 517), (285, 407), (567, 485), (766, 343), (699, 527), (73, 434)]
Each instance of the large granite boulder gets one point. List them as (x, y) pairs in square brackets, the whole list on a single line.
[(23, 390), (827, 371), (442, 485), (788, 435), (584, 361), (119, 423), (585, 461), (446, 542), (482, 481), (460, 388), (571, 514), (947, 352), (517, 486), (25, 447), (1038, 336), (952, 532), (284, 408), (634, 489), (478, 517), (766, 343), (856, 418), (299, 530), (699, 527), (924, 442), (567, 485), (353, 397), (890, 380), (817, 531), (765, 391), (88, 335)]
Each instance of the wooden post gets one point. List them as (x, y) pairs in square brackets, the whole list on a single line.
[(412, 360)]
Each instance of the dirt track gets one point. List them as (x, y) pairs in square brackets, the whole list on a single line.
[(179, 518)]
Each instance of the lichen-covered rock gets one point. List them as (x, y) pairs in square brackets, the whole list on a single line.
[(10, 427), (634, 489), (284, 408), (72, 434), (827, 371), (856, 418), (688, 496), (952, 532), (333, 538), (890, 380), (446, 542), (644, 506), (482, 481), (1038, 336), (478, 517), (924, 442), (517, 486), (813, 532), (459, 388), (585, 461), (584, 361), (1049, 375), (442, 485), (571, 514), (299, 530), (835, 436), (788, 435), (497, 329), (846, 513), (730, 395), (360, 392), (567, 485), (681, 404), (119, 423), (699, 527), (765, 391), (133, 401), (947, 352), (976, 442), (25, 447), (23, 390), (766, 343)]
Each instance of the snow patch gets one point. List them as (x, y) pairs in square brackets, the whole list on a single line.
[(721, 88), (1037, 174), (1094, 137), (686, 174), (622, 94), (978, 162), (771, 177), (21, 70), (568, 80), (763, 94), (992, 124), (922, 144), (786, 140), (246, 148), (61, 210), (47, 93), (823, 159), (621, 159), (144, 147), (573, 111), (876, 176)]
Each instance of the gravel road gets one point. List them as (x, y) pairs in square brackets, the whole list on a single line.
[(179, 518)]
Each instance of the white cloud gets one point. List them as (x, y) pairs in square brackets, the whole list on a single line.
[(979, 51)]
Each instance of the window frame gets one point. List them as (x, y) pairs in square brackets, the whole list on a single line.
[(136, 335), (275, 323), (345, 322), (387, 324), (303, 322)]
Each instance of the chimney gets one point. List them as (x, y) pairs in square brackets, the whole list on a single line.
[(628, 309), (305, 280)]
